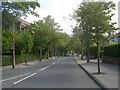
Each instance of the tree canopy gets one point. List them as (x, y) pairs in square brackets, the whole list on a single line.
[(94, 23), (20, 8)]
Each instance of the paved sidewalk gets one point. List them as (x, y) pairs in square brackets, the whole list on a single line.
[(22, 65), (109, 78)]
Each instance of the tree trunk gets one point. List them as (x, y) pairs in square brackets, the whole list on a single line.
[(88, 52), (88, 55), (48, 54), (13, 63), (98, 54), (82, 53), (26, 59), (82, 50), (40, 54)]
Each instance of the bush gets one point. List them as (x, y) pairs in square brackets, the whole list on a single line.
[(94, 51), (112, 50), (6, 42), (7, 59)]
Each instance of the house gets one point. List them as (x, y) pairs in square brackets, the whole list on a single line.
[(116, 39), (21, 24), (8, 20)]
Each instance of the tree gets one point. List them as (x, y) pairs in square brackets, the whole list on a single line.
[(95, 27), (44, 36), (62, 43), (24, 43), (47, 40), (13, 10), (6, 42), (20, 8)]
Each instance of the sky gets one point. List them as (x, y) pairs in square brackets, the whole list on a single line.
[(60, 11)]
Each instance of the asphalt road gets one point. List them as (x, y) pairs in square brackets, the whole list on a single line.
[(55, 73)]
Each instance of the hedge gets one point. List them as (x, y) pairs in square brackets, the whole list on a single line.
[(94, 51), (112, 50), (7, 59)]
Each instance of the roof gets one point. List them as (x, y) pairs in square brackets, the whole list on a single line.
[(23, 23)]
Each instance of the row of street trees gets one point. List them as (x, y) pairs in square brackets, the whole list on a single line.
[(45, 38), (11, 11), (41, 38), (94, 25)]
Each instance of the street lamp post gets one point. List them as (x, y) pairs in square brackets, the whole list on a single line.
[(13, 49)]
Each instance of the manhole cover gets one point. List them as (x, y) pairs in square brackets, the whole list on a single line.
[(96, 73)]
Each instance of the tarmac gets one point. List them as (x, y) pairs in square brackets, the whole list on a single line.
[(109, 76)]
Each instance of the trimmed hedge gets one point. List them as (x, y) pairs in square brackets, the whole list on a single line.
[(112, 50), (93, 51), (7, 59)]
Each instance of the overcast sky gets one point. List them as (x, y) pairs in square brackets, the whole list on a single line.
[(60, 11)]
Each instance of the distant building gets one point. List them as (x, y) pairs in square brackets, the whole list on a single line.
[(8, 20), (21, 24), (116, 38)]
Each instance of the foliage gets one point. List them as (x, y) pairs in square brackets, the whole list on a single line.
[(112, 50), (7, 59), (94, 22), (6, 42), (94, 51), (23, 42), (20, 8), (75, 43), (94, 28)]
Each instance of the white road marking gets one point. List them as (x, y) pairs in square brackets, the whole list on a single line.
[(14, 77), (53, 63), (44, 68), (24, 75), (24, 78)]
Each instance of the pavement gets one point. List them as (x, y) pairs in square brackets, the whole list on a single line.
[(109, 76), (22, 65)]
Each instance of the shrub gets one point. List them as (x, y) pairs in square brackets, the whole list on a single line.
[(6, 42), (7, 59), (94, 51), (112, 50)]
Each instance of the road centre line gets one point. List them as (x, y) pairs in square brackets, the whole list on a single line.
[(44, 68), (30, 75), (24, 78), (14, 77), (53, 63)]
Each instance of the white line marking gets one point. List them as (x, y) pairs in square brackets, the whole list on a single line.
[(44, 68), (14, 77), (53, 63), (24, 78)]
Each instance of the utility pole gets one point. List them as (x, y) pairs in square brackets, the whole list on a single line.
[(13, 48)]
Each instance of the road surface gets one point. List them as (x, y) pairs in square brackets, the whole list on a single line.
[(54, 73)]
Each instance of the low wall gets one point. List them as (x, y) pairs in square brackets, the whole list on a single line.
[(112, 60)]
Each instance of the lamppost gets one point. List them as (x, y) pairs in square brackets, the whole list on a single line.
[(13, 48)]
